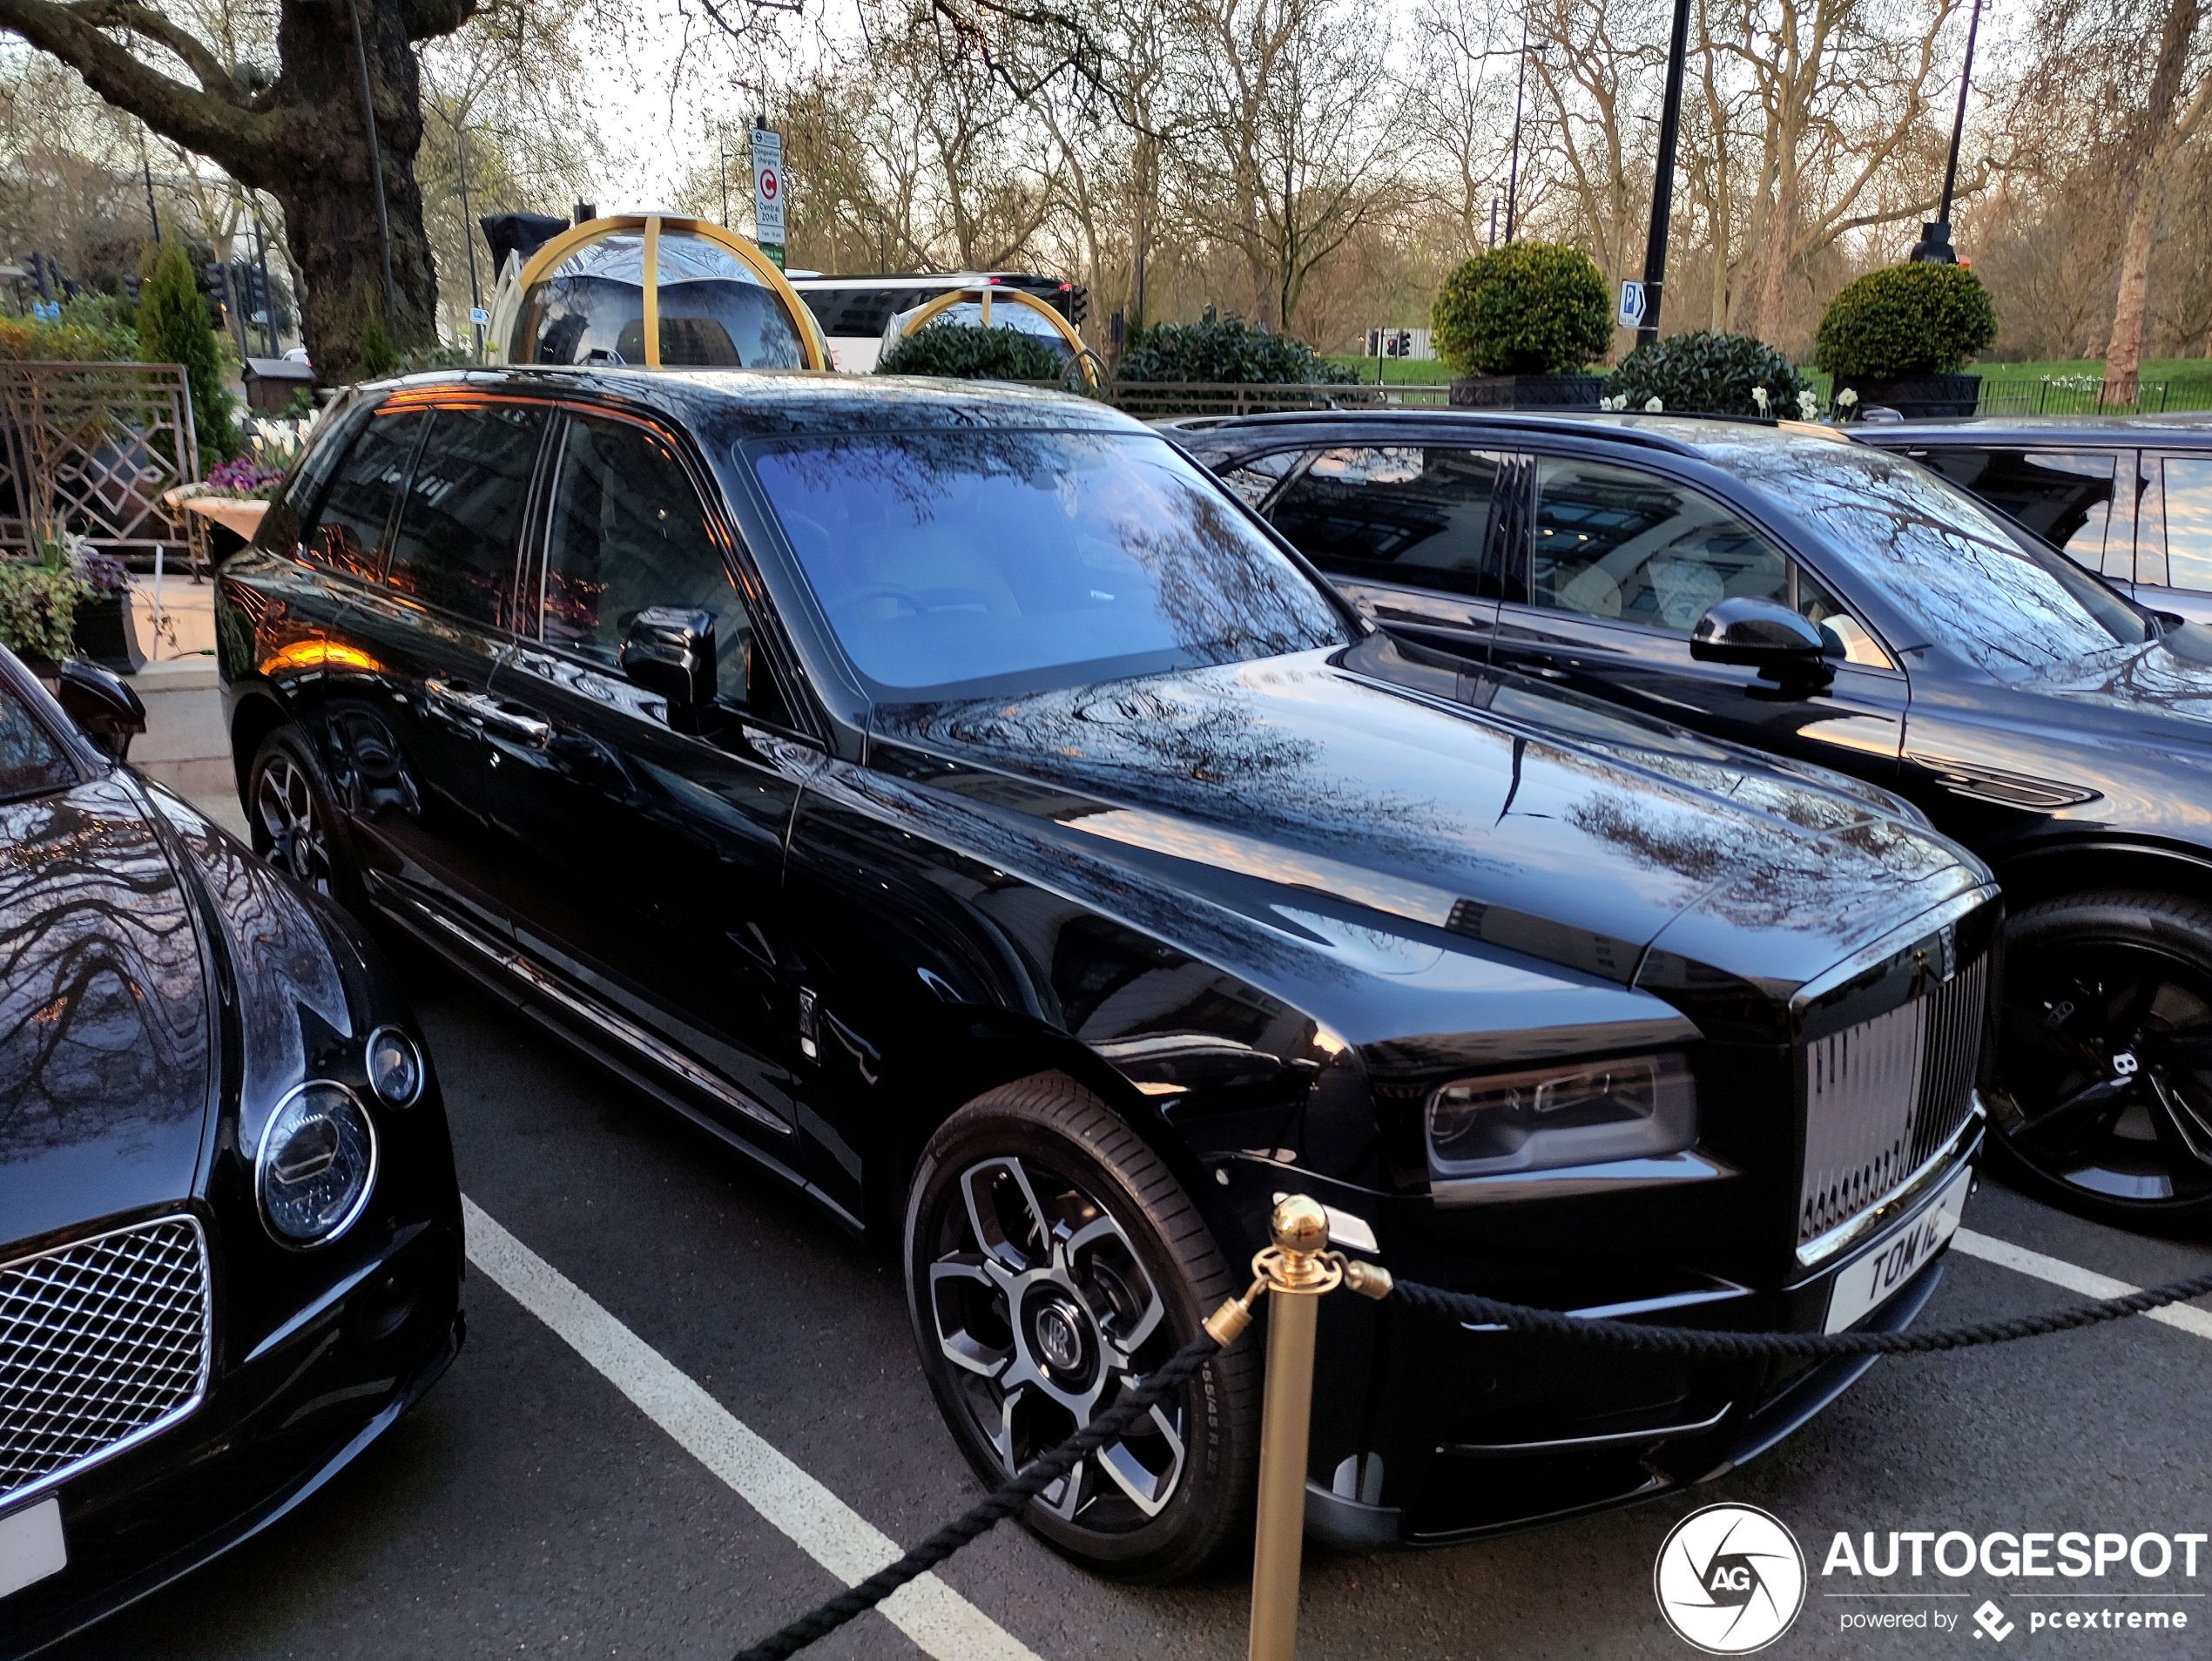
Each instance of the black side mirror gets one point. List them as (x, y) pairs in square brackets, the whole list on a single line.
[(670, 650), (1766, 636), (104, 707)]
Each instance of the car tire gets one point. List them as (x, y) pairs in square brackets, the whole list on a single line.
[(2105, 1058), (295, 822), (1130, 1273)]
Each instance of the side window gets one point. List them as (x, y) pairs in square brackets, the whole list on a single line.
[(294, 509), (628, 532), (349, 534), (2064, 496), (1847, 637), (454, 548), (2187, 482), (1396, 514), (1254, 477), (1615, 543)]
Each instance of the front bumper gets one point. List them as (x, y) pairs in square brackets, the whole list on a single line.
[(271, 1431)]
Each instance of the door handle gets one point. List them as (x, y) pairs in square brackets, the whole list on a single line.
[(490, 714)]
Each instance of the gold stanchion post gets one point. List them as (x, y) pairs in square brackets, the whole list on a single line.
[(1297, 1269)]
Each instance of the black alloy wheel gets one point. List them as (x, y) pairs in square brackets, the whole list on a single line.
[(2105, 1057), (295, 823), (1052, 1261)]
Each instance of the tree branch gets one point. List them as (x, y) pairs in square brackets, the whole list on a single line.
[(230, 134), (214, 74)]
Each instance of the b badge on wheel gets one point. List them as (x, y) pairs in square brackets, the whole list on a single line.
[(1729, 1579)]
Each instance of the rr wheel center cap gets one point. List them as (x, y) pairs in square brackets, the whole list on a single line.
[(1056, 1333)]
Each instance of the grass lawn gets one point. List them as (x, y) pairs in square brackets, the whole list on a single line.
[(2152, 369), (1398, 372)]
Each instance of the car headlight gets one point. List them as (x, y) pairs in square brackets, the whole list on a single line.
[(395, 1070), (1575, 1113), (317, 1162)]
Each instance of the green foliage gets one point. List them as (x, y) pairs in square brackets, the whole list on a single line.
[(38, 608), (174, 328), (1905, 320), (1707, 374), (88, 333), (1526, 309), (1228, 355), (378, 356), (970, 352)]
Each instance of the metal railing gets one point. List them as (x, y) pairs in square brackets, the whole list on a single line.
[(2085, 394), (1153, 399), (88, 448)]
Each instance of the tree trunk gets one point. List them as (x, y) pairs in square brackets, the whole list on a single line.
[(2124, 351)]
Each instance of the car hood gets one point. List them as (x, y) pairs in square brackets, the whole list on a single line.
[(106, 1040), (143, 946), (1320, 790)]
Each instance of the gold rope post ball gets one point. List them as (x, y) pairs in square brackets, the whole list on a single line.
[(1300, 1225)]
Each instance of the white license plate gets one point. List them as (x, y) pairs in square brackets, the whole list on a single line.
[(30, 1545), (1865, 1283)]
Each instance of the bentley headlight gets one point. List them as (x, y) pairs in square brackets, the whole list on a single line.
[(395, 1067), (317, 1159), (1576, 1113)]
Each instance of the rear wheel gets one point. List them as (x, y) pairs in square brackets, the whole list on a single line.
[(2105, 1057), (1052, 1262), (294, 822)]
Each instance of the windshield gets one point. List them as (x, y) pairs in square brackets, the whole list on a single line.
[(961, 564), (1970, 583)]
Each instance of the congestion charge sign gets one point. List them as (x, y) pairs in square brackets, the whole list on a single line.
[(768, 193)]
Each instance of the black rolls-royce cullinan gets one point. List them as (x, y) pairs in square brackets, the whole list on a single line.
[(1784, 588), (956, 800), (230, 1235)]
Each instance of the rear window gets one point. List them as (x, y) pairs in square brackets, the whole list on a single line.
[(975, 562)]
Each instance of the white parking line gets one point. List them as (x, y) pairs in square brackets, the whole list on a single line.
[(936, 1617), (2073, 1278)]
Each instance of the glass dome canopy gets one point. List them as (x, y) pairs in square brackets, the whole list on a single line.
[(1014, 308), (654, 290)]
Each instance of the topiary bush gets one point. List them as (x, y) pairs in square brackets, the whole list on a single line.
[(1226, 353), (970, 352), (1707, 374), (1906, 320), (1526, 309), (174, 327)]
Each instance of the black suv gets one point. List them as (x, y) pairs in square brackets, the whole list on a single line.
[(953, 799), (1784, 587), (2129, 496)]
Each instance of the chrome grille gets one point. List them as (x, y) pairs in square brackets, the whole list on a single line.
[(102, 1342), (1882, 1098)]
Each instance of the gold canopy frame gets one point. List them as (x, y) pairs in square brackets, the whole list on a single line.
[(543, 263), (985, 294)]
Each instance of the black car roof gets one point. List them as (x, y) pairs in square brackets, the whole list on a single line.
[(1694, 436), (764, 403), (2187, 427)]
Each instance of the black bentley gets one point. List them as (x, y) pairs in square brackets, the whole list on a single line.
[(1785, 588), (230, 1235), (957, 802)]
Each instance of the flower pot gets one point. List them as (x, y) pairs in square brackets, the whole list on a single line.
[(1527, 392), (106, 633), (1916, 395)]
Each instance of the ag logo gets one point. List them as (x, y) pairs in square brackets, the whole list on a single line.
[(1729, 1579)]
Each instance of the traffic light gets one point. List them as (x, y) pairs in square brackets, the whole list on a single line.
[(1078, 302), (218, 283), (255, 285), (44, 273), (131, 287)]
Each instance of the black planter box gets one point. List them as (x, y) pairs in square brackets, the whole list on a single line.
[(1917, 396), (106, 634), (1527, 392)]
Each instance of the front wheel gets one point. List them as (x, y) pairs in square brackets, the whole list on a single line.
[(295, 823), (1052, 1262), (2105, 1057)]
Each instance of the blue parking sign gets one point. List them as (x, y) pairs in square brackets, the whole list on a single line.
[(1631, 304)]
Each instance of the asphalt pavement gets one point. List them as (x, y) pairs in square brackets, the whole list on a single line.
[(530, 1507)]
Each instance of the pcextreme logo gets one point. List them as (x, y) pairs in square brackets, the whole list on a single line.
[(1729, 1579)]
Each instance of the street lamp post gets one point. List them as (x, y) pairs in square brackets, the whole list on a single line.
[(1662, 179), (1935, 246), (1513, 175), (469, 235)]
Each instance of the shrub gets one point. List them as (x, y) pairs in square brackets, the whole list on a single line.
[(970, 352), (88, 333), (1226, 353), (1906, 320), (38, 608), (1707, 373), (1526, 309), (174, 327)]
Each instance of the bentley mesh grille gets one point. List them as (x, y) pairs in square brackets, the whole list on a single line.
[(1883, 1097), (101, 1341)]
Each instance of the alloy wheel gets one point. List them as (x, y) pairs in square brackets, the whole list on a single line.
[(283, 803), (2107, 1055), (1039, 1299)]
